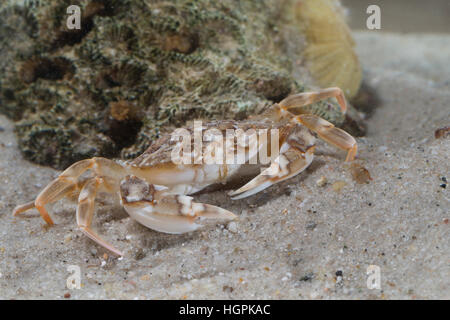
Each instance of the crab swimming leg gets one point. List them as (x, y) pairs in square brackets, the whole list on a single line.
[(67, 183), (328, 132), (85, 212), (155, 208), (288, 164)]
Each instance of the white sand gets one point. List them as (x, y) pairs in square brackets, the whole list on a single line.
[(291, 239)]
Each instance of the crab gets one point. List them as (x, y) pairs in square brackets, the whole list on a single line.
[(154, 189)]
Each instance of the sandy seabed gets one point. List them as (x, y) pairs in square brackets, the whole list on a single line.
[(296, 240)]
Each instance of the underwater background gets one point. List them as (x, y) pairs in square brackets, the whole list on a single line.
[(137, 69)]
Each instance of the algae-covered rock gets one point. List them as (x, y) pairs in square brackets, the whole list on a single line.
[(138, 67)]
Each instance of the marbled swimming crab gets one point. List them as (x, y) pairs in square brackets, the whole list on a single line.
[(154, 189)]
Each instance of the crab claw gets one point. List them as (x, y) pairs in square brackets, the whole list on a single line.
[(155, 208), (286, 165)]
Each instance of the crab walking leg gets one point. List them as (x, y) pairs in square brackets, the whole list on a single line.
[(56, 190), (286, 165), (85, 212), (66, 183), (23, 207), (156, 209), (328, 132), (306, 98)]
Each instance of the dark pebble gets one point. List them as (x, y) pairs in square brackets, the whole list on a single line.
[(307, 277), (227, 289), (311, 225)]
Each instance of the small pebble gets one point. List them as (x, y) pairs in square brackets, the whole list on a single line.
[(67, 295), (441, 132), (227, 289), (322, 181), (307, 277), (140, 254), (232, 227), (338, 185), (339, 278), (145, 277), (311, 225), (360, 174)]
